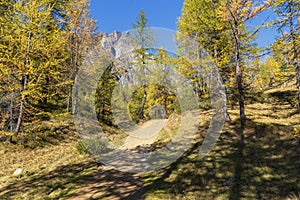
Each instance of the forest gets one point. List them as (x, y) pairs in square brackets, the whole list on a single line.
[(51, 52)]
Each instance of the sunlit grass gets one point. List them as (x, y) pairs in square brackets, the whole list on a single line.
[(262, 166)]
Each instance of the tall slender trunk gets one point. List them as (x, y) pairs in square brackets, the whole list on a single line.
[(69, 99), (11, 112), (239, 76), (21, 109), (72, 94), (24, 87), (141, 110), (240, 88), (75, 62), (74, 99), (241, 99)]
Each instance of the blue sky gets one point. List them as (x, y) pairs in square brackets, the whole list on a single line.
[(119, 15), (266, 36)]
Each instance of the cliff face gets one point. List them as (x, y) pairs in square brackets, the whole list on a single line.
[(109, 41), (117, 43), (121, 46)]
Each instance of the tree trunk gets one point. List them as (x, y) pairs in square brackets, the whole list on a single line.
[(241, 100), (20, 117), (69, 100), (141, 110), (24, 87), (21, 108), (75, 98), (11, 112), (239, 77)]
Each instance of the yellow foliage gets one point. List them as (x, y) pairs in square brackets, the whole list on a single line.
[(4, 133)]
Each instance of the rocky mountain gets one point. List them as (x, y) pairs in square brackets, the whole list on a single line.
[(118, 43)]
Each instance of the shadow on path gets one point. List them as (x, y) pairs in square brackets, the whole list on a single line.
[(111, 184), (86, 180)]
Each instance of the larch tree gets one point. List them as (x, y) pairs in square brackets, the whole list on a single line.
[(160, 95), (143, 39), (6, 82), (200, 21), (33, 56), (81, 33), (275, 69), (287, 22), (269, 73), (236, 13)]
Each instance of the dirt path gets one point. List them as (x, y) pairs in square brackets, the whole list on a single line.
[(145, 134), (109, 183)]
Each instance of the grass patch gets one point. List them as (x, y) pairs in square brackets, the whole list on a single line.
[(48, 153), (169, 130), (264, 165)]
